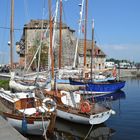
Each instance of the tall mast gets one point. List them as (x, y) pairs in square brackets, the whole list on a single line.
[(85, 36), (92, 47), (11, 34), (51, 50), (79, 31), (55, 25), (60, 35)]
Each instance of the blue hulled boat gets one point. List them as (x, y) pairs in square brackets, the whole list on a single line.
[(100, 87)]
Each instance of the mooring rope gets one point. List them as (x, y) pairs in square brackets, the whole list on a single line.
[(45, 129), (88, 132)]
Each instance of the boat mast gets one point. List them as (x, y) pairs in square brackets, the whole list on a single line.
[(85, 35), (79, 31), (55, 25), (92, 47), (11, 34), (60, 35), (51, 50)]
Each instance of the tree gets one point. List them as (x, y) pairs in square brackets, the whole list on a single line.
[(44, 52)]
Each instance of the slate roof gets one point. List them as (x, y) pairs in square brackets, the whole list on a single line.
[(97, 50)]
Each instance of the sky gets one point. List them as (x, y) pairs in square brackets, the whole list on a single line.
[(117, 22)]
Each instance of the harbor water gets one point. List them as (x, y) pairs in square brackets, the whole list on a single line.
[(124, 125)]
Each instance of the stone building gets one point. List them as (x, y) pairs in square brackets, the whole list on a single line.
[(99, 57), (36, 33)]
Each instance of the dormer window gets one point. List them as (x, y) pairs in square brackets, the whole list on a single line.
[(99, 51), (36, 25), (45, 25)]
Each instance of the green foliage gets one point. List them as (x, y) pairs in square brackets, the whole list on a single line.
[(4, 84), (44, 51)]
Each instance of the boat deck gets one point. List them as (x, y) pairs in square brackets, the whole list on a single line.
[(95, 108), (98, 108)]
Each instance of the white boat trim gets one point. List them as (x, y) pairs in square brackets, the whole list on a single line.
[(93, 119)]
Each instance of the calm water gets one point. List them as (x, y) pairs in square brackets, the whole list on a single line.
[(125, 125), (126, 122)]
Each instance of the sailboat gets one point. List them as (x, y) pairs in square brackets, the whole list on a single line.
[(71, 107), (99, 88), (92, 86), (27, 113), (23, 110), (20, 86)]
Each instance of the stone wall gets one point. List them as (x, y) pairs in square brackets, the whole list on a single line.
[(128, 72), (33, 38)]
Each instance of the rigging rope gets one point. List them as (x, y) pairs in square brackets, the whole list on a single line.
[(26, 18), (41, 40)]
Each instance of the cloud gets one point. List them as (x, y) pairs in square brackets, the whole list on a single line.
[(117, 47), (122, 51)]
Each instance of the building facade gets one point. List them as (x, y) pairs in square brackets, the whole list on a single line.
[(99, 57), (36, 34)]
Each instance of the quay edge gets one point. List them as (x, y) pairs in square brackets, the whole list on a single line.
[(8, 132)]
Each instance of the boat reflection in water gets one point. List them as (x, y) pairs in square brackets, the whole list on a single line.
[(106, 97), (65, 130)]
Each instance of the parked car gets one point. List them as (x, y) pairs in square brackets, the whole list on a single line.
[(4, 69)]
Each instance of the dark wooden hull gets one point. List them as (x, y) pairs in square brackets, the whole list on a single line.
[(29, 125)]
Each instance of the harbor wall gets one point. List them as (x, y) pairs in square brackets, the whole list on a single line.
[(120, 72), (128, 72)]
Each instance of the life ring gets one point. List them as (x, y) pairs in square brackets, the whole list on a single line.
[(49, 105), (85, 107)]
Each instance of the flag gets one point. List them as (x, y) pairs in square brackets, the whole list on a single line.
[(83, 30), (114, 72)]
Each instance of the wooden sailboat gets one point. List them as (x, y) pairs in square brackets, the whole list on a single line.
[(72, 107), (27, 113), (23, 110)]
